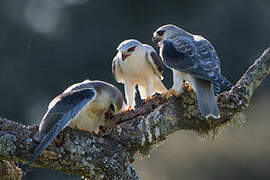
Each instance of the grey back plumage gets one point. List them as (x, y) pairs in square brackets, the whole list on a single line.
[(197, 58), (98, 86)]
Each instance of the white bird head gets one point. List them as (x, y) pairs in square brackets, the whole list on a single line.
[(168, 31), (130, 47)]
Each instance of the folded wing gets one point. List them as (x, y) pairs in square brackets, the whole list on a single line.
[(63, 110)]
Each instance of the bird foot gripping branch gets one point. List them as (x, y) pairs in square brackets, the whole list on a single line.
[(143, 67), (193, 58), (169, 93), (136, 132), (82, 106), (85, 105)]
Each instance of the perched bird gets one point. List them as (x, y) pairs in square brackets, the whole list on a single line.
[(82, 106), (138, 64), (192, 58)]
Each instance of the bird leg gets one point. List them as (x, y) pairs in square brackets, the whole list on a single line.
[(130, 95), (148, 98), (153, 97), (169, 93), (128, 109), (187, 86), (84, 129), (149, 89)]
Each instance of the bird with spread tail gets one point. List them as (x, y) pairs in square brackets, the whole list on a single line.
[(82, 106), (192, 58), (138, 64)]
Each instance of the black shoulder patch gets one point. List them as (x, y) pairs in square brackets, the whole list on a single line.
[(157, 61), (113, 67)]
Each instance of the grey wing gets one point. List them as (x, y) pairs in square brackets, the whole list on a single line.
[(116, 69), (200, 51), (181, 55), (66, 107), (195, 58), (154, 60), (207, 52), (208, 56)]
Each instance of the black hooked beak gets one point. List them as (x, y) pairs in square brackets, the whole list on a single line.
[(154, 38), (158, 39)]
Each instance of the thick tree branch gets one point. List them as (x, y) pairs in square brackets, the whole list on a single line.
[(151, 123), (9, 171), (136, 133), (90, 156)]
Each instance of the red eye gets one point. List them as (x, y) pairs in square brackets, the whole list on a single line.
[(161, 32), (131, 49)]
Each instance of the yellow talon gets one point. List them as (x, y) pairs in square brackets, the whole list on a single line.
[(186, 86), (169, 93), (147, 99), (84, 129), (153, 97), (128, 109)]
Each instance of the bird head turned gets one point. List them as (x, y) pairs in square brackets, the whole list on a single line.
[(128, 48), (168, 31), (117, 103)]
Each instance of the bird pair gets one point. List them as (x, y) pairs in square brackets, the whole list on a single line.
[(85, 105), (191, 57)]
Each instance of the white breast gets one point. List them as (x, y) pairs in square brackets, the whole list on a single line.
[(136, 69), (92, 114)]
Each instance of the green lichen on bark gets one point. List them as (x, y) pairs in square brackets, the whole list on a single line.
[(7, 146), (137, 133), (9, 171)]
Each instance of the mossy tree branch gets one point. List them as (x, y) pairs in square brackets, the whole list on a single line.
[(136, 133)]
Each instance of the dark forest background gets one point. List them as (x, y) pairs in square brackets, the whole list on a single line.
[(47, 45)]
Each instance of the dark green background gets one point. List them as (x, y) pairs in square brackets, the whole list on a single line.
[(47, 45)]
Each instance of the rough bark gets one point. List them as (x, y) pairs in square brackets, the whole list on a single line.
[(136, 133), (9, 171), (90, 156)]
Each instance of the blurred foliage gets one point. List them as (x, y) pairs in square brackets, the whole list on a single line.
[(47, 45)]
